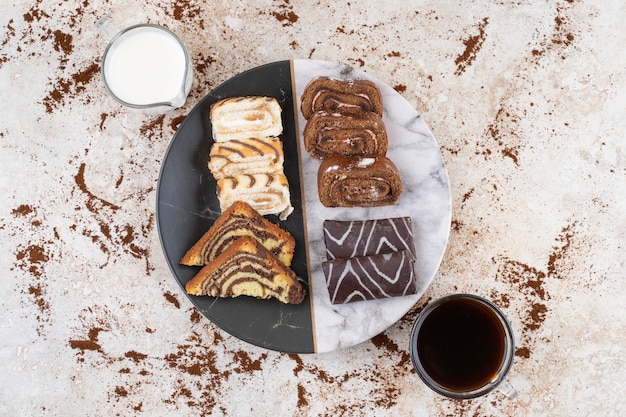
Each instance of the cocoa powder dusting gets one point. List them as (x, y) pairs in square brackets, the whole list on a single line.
[(302, 397), (153, 128), (400, 88), (135, 356), (67, 89), (473, 44), (63, 42), (23, 210), (285, 13), (172, 299), (91, 343), (530, 285), (246, 364), (94, 203), (501, 131)]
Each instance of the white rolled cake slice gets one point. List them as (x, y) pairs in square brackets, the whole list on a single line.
[(246, 117), (246, 156), (267, 193)]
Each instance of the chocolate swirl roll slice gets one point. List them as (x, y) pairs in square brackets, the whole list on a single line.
[(237, 221), (266, 193), (246, 156), (370, 277), (351, 238), (358, 182), (359, 135), (247, 268), (245, 117), (338, 96)]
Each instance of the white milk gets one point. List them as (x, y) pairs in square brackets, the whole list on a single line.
[(145, 66)]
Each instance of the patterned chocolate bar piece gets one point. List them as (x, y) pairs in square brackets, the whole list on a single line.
[(370, 277), (347, 239)]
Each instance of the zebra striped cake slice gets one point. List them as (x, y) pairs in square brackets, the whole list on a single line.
[(246, 156)]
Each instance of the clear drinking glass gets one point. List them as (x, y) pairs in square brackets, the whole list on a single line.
[(145, 67)]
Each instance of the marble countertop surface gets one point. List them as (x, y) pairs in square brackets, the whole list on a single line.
[(526, 100)]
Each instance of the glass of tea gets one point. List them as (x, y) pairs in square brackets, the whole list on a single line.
[(462, 347)]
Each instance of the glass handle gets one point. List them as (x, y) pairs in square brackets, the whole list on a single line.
[(107, 28), (507, 389)]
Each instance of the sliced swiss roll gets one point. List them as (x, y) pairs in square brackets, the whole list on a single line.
[(246, 156), (358, 182), (246, 117), (358, 135), (340, 96), (266, 193)]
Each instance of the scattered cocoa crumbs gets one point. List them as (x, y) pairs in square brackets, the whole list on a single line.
[(202, 63), (186, 10), (84, 345), (91, 343), (561, 35), (285, 13), (135, 356), (35, 14), (10, 33), (382, 341), (287, 18), (176, 121), (103, 118), (246, 364), (94, 203), (121, 391), (456, 225), (66, 89), (153, 127), (299, 364), (63, 42), (195, 316), (400, 88), (467, 195), (302, 397), (502, 130), (522, 352), (537, 315), (172, 299), (559, 252), (473, 44), (529, 285), (82, 78)]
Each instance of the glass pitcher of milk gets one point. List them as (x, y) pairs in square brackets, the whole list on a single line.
[(145, 67)]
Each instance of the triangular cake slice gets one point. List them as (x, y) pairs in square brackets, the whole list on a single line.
[(240, 219), (247, 268)]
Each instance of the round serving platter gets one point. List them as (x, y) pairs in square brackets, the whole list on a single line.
[(186, 206)]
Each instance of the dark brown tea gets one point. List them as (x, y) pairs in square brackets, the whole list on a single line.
[(461, 344)]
